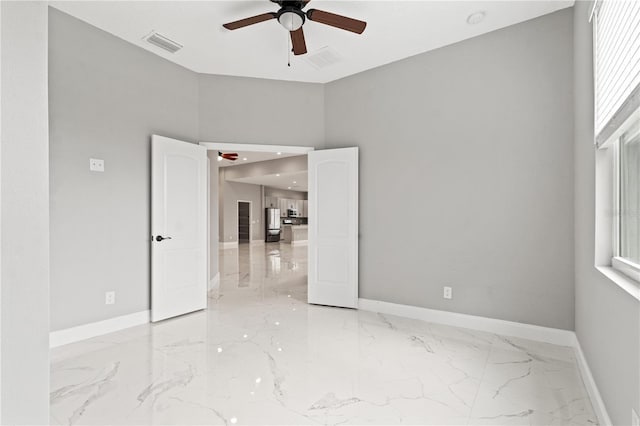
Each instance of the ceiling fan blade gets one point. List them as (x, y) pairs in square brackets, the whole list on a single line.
[(337, 21), (297, 40), (232, 156), (249, 21)]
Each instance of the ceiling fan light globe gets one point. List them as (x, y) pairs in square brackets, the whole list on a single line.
[(291, 21)]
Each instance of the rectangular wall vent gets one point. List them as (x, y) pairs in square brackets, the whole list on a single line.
[(323, 58), (163, 42)]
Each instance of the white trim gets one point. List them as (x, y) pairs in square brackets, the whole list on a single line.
[(222, 146), (257, 242), (300, 243), (228, 245), (214, 282), (590, 385), (87, 331), (491, 325), (626, 283)]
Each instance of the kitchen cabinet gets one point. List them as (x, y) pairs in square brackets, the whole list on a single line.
[(282, 203), (271, 202)]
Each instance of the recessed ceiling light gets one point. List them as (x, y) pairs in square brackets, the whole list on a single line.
[(295, 181), (476, 17), (244, 159), (278, 174), (288, 187), (279, 153)]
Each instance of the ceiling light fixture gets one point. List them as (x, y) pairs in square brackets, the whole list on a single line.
[(219, 158), (295, 181), (291, 18), (278, 174), (278, 153), (244, 159), (476, 17), (288, 187)]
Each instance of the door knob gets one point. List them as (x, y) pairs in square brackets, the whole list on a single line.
[(160, 238)]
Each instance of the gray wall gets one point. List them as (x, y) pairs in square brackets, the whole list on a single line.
[(471, 147), (250, 110), (284, 193), (263, 168), (106, 98), (232, 192), (24, 209), (607, 318)]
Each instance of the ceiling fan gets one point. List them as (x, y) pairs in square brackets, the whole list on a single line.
[(292, 17), (231, 156)]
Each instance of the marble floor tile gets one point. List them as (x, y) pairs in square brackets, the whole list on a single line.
[(261, 355)]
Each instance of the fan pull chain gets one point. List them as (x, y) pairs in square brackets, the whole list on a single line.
[(289, 47)]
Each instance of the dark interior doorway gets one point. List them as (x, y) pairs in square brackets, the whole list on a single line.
[(244, 222)]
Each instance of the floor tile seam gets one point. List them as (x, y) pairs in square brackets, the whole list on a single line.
[(484, 369)]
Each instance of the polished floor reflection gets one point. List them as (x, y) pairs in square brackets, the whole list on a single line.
[(260, 355)]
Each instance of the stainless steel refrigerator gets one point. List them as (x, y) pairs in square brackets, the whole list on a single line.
[(272, 224)]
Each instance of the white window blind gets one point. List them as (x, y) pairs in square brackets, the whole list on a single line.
[(617, 63)]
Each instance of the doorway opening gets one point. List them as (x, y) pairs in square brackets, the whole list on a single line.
[(244, 222), (330, 263), (262, 220)]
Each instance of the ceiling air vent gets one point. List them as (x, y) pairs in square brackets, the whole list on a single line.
[(163, 42), (323, 58)]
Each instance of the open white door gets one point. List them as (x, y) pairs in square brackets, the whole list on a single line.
[(333, 227), (178, 228)]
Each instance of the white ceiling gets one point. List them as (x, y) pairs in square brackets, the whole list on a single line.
[(396, 30), (283, 181), (252, 157)]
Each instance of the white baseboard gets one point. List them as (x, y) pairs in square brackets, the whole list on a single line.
[(87, 331), (590, 384), (507, 328), (491, 325), (214, 282), (228, 245), (300, 243), (257, 242)]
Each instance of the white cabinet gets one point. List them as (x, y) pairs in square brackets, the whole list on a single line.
[(271, 202), (282, 203)]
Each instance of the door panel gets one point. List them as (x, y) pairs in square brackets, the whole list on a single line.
[(333, 227), (179, 215)]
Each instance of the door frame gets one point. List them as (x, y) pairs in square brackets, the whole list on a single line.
[(250, 219)]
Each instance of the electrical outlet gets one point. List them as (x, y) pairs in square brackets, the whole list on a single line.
[(448, 293), (635, 420), (110, 298), (96, 165)]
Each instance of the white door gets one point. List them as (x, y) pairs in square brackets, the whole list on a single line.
[(333, 227), (178, 228)]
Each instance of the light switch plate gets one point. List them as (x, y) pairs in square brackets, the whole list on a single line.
[(110, 298), (96, 165)]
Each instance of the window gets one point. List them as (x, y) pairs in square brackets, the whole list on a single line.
[(616, 25), (626, 170)]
